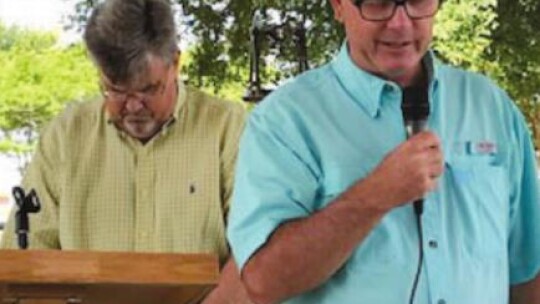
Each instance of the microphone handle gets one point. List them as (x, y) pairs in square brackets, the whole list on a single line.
[(415, 127), (419, 206)]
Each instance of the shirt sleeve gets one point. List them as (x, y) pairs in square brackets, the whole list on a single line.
[(524, 240), (274, 183), (42, 175)]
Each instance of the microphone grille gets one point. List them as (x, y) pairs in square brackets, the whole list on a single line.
[(415, 103)]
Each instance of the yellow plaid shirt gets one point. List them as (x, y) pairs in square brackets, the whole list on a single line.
[(103, 190)]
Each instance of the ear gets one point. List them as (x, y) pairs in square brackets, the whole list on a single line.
[(337, 6)]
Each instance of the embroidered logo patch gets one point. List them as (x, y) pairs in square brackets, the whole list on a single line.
[(482, 148)]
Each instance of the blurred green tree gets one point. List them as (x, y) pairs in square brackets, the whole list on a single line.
[(38, 77), (497, 37)]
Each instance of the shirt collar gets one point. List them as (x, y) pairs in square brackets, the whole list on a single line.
[(181, 100), (368, 89)]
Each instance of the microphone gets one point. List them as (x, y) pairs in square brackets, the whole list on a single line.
[(415, 109)]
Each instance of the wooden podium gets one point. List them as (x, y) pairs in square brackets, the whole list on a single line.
[(51, 277)]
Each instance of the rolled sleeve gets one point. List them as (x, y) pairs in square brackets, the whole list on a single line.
[(524, 241)]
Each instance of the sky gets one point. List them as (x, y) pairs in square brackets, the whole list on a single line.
[(36, 14)]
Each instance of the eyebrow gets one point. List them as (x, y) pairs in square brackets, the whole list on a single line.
[(151, 85), (116, 88)]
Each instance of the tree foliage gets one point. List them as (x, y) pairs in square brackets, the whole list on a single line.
[(499, 38), (231, 88), (516, 49), (223, 32), (462, 35), (37, 79), (496, 37)]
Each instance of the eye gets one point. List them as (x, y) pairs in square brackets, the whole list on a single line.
[(151, 89), (377, 2), (115, 91)]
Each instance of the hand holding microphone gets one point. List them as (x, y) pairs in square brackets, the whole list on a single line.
[(408, 172), (412, 169)]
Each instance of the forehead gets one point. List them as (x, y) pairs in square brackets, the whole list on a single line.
[(151, 71)]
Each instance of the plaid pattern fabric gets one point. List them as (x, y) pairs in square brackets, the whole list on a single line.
[(103, 190)]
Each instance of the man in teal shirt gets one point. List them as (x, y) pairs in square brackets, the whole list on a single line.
[(322, 207)]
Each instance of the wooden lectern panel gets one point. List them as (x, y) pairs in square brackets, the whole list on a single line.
[(49, 277)]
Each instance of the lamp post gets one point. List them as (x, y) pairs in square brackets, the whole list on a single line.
[(262, 29)]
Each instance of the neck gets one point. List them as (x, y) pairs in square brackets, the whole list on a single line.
[(415, 78)]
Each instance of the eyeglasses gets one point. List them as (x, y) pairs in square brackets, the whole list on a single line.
[(384, 10), (147, 93)]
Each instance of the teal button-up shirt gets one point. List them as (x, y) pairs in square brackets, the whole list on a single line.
[(319, 134)]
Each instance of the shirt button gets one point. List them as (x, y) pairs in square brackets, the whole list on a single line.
[(441, 301), (434, 245)]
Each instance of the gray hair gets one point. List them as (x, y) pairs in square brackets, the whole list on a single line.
[(121, 34)]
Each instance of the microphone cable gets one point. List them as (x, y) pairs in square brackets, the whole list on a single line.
[(415, 107), (418, 216)]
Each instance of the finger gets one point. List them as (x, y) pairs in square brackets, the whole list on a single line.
[(429, 158), (436, 168), (437, 161), (433, 185), (427, 185), (426, 140), (436, 173), (429, 136)]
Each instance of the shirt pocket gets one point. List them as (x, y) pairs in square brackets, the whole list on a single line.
[(478, 190)]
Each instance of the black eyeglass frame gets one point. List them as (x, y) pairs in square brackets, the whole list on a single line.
[(145, 95), (358, 4)]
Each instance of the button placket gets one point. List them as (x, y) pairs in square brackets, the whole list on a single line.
[(144, 198)]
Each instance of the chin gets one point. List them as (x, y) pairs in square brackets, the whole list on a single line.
[(399, 67), (141, 132)]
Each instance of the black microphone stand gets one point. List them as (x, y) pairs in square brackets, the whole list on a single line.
[(25, 204)]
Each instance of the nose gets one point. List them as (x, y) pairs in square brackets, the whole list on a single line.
[(134, 103), (400, 19)]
